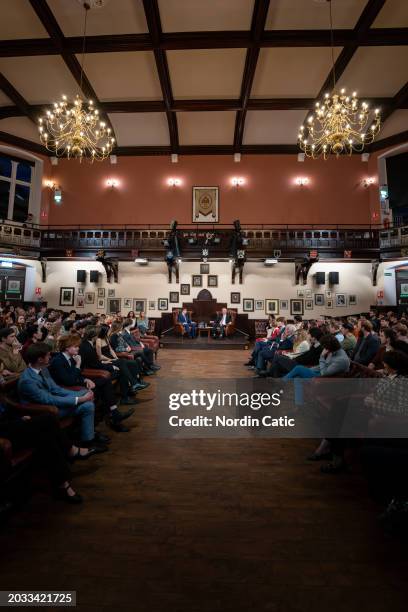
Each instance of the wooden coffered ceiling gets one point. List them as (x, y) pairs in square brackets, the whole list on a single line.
[(193, 77)]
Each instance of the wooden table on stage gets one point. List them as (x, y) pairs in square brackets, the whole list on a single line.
[(204, 329)]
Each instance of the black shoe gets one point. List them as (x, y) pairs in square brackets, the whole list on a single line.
[(137, 387), (118, 426), (117, 416), (148, 372), (97, 446), (249, 363), (144, 385), (154, 366), (79, 457), (127, 401), (263, 373), (61, 493), (102, 438)]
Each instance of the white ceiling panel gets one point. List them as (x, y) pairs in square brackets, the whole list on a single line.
[(206, 128), (39, 79), (116, 17), (291, 72), (21, 127), (18, 20), (123, 76), (272, 127), (140, 129), (376, 71), (205, 15), (206, 73), (394, 14), (313, 14), (395, 124)]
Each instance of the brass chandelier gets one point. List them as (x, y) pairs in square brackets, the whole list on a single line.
[(75, 129), (340, 123)]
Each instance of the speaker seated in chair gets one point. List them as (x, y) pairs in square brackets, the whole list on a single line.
[(181, 327), (225, 322)]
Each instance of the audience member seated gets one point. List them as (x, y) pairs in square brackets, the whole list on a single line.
[(142, 323), (43, 434), (333, 360), (349, 341), (65, 369), (34, 335), (282, 364), (138, 347), (10, 356), (190, 326), (285, 343), (274, 331), (220, 325), (367, 345), (36, 386)]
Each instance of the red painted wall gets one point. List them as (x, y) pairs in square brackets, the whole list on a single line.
[(335, 193)]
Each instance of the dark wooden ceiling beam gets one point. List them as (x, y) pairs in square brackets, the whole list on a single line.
[(111, 43), (152, 14), (21, 104), (391, 141), (23, 143), (259, 16)]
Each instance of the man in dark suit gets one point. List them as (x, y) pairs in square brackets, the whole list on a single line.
[(36, 385), (189, 325), (65, 369), (138, 347), (367, 345), (221, 323)]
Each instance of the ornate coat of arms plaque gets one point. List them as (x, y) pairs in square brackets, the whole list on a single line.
[(205, 204)]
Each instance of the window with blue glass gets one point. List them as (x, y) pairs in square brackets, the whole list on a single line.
[(16, 176)]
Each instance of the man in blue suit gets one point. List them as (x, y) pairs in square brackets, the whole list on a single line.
[(189, 325), (36, 385)]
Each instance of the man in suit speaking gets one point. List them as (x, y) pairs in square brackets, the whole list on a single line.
[(221, 323), (189, 325)]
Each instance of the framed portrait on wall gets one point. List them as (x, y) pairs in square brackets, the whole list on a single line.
[(272, 307), (352, 300), (139, 305), (100, 304), (308, 294), (309, 304), (197, 280), (248, 305), (90, 297), (113, 305), (174, 297), (341, 300), (212, 280), (67, 296), (319, 299), (284, 304), (111, 293), (152, 305), (235, 297), (329, 303), (80, 301), (185, 289), (205, 204), (81, 291), (301, 293), (296, 307), (162, 304), (101, 292), (204, 268), (127, 303), (329, 294), (259, 304)]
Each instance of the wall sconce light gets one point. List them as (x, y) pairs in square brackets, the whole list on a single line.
[(174, 182), (237, 181), (112, 183), (370, 180), (301, 181), (50, 184)]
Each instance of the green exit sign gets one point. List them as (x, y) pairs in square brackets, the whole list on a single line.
[(387, 273)]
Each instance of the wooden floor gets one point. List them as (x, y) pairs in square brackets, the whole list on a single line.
[(207, 525)]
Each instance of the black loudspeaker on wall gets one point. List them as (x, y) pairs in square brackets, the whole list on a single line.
[(333, 278), (94, 276), (81, 276), (320, 278)]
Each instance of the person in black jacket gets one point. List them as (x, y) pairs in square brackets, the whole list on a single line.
[(282, 364), (367, 345), (65, 369)]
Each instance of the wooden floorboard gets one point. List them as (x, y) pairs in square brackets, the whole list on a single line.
[(207, 525)]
